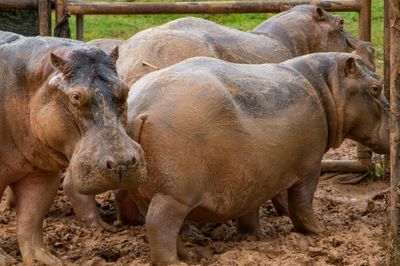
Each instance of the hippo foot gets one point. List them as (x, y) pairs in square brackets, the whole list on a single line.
[(309, 230), (184, 253), (43, 256), (97, 222), (6, 259)]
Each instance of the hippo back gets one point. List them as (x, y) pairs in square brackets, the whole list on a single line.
[(189, 37)]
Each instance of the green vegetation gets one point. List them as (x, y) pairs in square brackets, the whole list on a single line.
[(124, 26)]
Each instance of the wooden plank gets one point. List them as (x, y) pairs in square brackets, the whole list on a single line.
[(24, 21)]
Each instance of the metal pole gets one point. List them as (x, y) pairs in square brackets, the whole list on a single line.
[(386, 73)]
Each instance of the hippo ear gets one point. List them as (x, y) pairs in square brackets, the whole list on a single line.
[(318, 14), (114, 54), (60, 64), (285, 7), (350, 66)]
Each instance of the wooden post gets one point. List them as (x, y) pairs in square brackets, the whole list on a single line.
[(62, 27), (386, 73), (60, 10), (44, 8), (364, 21), (79, 27), (393, 231), (364, 154)]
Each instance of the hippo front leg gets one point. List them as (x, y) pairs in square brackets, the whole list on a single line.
[(300, 197), (164, 220), (84, 206), (34, 195), (5, 259)]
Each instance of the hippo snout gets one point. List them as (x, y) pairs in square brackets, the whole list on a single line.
[(119, 164)]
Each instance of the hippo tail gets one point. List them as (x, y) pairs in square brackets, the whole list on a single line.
[(136, 126)]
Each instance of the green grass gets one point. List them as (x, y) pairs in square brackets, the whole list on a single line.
[(124, 26)]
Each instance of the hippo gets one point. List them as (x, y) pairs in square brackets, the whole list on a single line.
[(220, 139), (62, 108), (301, 30)]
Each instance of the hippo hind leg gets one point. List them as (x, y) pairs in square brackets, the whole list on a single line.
[(164, 220), (280, 203), (300, 197), (249, 223), (34, 194), (9, 202), (127, 210)]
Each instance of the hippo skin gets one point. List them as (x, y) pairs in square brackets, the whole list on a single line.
[(301, 30), (221, 138), (61, 105), (107, 45)]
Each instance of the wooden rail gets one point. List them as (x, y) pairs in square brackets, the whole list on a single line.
[(363, 7), (43, 7), (97, 8), (19, 4)]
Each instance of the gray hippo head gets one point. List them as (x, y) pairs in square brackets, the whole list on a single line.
[(306, 29), (352, 96), (81, 112)]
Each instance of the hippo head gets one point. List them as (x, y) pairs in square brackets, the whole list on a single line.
[(81, 112), (366, 110), (306, 29)]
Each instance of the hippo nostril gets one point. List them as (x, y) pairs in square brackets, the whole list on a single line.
[(133, 161), (110, 164)]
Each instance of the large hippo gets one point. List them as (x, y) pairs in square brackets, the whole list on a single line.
[(301, 30), (222, 138), (61, 105)]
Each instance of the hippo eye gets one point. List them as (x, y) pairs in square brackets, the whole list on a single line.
[(341, 23), (375, 90), (75, 97)]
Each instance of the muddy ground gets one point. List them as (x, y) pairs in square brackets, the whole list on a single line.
[(353, 217)]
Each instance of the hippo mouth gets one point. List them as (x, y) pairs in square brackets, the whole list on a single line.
[(96, 181)]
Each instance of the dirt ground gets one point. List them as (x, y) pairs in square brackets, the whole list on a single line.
[(353, 217)]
